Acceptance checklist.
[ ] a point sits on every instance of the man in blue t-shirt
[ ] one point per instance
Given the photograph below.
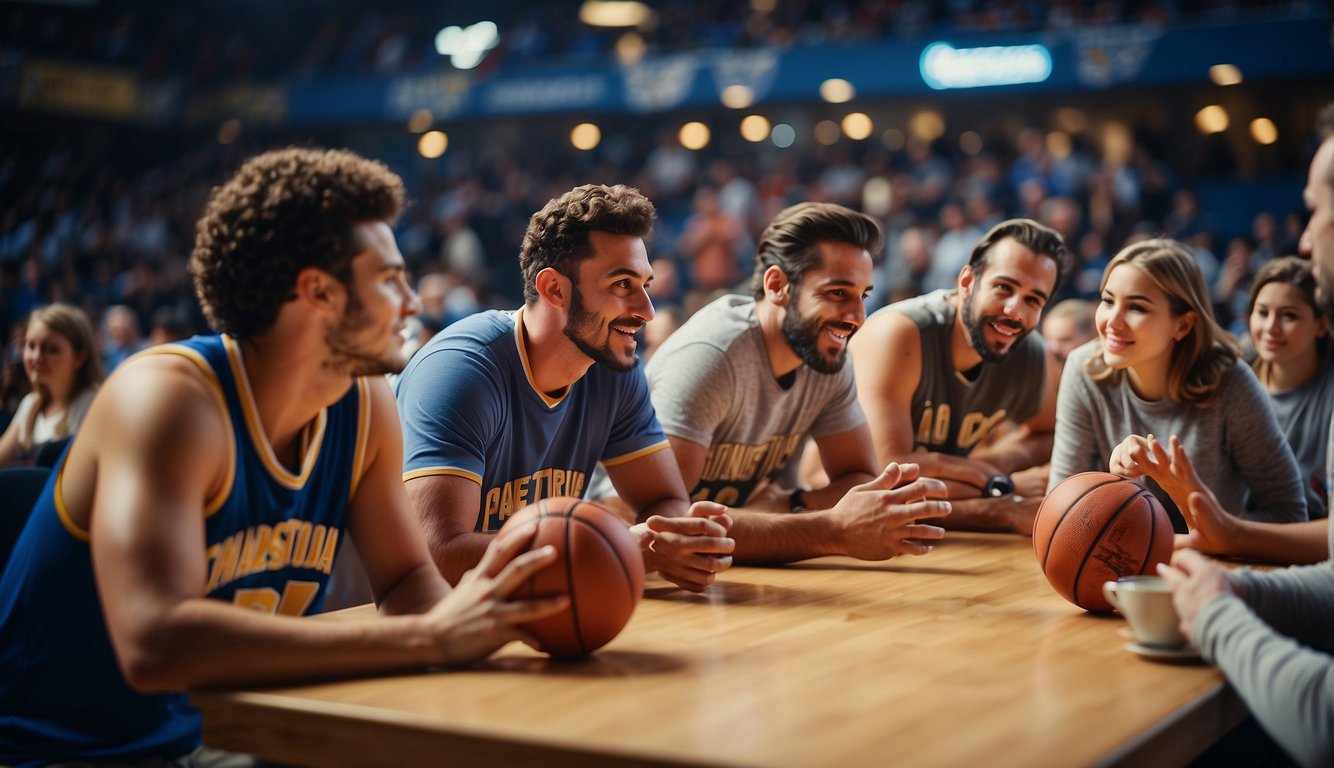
(505, 408)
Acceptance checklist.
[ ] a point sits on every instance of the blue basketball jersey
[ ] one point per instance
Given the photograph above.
(469, 408)
(271, 537)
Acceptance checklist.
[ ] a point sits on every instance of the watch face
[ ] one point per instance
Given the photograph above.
(797, 502)
(999, 485)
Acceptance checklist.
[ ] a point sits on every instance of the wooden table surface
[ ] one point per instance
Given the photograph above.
(964, 657)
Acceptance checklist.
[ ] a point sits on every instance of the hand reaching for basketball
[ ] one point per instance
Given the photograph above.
(688, 551)
(476, 617)
(1129, 457)
(878, 520)
(1169, 466)
(1212, 529)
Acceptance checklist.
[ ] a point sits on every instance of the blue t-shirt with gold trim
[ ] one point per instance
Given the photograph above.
(470, 409)
(270, 540)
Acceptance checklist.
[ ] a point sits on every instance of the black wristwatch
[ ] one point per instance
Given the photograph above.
(797, 501)
(998, 485)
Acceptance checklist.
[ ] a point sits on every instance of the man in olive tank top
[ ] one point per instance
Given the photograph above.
(938, 374)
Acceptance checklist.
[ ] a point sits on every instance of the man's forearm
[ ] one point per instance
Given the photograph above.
(460, 554)
(419, 590)
(1013, 453)
(1004, 514)
(770, 538)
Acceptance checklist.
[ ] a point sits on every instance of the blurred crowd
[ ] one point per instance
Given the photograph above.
(102, 217)
(209, 43)
(103, 229)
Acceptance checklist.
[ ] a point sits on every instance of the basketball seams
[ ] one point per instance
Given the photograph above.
(611, 547)
(1097, 540)
(568, 516)
(616, 555)
(1153, 534)
(1075, 503)
(584, 569)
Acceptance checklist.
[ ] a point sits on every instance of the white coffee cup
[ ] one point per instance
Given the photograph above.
(1146, 602)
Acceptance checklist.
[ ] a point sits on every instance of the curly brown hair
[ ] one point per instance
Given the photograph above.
(557, 235)
(282, 212)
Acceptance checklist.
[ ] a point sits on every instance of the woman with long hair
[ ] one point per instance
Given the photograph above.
(1161, 365)
(1292, 342)
(1292, 345)
(64, 369)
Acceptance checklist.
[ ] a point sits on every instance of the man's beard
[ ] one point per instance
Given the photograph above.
(347, 357)
(977, 338)
(803, 335)
(582, 323)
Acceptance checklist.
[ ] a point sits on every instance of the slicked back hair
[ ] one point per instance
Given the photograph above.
(1042, 240)
(791, 241)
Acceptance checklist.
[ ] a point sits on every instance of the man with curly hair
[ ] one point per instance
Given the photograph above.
(505, 408)
(200, 509)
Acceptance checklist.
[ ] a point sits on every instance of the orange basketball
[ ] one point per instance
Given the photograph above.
(1095, 527)
(598, 564)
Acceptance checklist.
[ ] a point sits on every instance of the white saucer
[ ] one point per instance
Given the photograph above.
(1163, 654)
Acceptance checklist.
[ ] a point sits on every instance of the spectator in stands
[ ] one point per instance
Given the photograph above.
(64, 369)
(1066, 326)
(1291, 338)
(121, 336)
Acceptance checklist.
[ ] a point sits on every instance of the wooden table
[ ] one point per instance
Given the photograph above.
(964, 657)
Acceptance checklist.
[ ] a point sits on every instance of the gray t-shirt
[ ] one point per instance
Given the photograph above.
(1235, 445)
(951, 413)
(711, 384)
(1303, 413)
(1274, 646)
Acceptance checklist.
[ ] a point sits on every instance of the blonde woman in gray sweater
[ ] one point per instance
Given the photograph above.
(1161, 365)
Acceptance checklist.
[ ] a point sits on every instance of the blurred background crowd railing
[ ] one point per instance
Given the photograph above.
(1120, 120)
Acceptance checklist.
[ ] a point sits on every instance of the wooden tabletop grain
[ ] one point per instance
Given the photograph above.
(964, 657)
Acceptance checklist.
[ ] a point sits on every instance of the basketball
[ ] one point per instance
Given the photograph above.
(1095, 527)
(598, 564)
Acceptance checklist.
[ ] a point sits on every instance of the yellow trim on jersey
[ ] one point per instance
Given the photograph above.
(63, 513)
(463, 473)
(551, 402)
(639, 454)
(363, 435)
(311, 438)
(212, 505)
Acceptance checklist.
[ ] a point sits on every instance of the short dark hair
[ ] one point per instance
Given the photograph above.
(281, 212)
(557, 235)
(791, 241)
(1037, 238)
